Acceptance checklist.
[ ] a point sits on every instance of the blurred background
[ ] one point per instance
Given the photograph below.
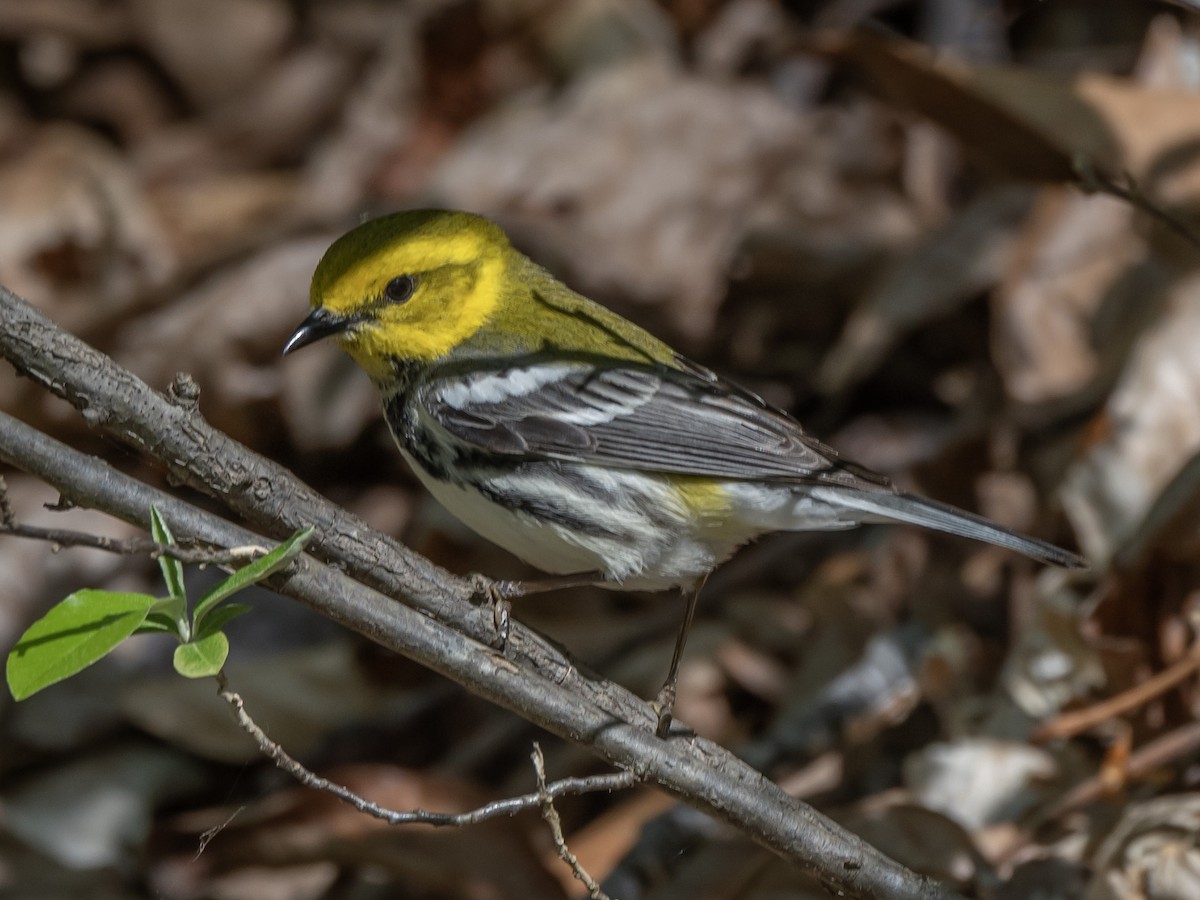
(876, 234)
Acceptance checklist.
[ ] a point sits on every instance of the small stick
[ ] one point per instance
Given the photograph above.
(550, 814)
(509, 806)
(1072, 723)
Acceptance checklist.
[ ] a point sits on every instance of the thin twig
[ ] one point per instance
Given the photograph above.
(134, 546)
(1073, 723)
(509, 806)
(206, 837)
(550, 815)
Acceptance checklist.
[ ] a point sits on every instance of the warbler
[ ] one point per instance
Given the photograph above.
(570, 436)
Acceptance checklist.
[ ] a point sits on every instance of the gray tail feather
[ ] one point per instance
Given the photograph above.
(943, 517)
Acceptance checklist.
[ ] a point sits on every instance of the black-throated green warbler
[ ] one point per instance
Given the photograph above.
(570, 436)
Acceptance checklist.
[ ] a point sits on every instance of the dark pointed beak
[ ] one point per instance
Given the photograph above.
(318, 324)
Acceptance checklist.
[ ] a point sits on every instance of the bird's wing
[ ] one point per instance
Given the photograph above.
(656, 418)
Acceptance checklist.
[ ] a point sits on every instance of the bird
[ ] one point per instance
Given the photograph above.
(572, 437)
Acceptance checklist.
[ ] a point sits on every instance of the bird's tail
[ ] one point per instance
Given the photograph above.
(888, 507)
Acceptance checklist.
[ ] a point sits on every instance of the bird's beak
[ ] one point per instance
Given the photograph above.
(318, 324)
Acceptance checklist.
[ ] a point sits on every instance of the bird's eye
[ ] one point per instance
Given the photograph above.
(400, 289)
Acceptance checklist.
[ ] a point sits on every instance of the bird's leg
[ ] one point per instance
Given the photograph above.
(665, 701)
(500, 594)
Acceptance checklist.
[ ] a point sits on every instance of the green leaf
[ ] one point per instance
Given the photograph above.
(172, 569)
(218, 618)
(159, 623)
(70, 637)
(199, 659)
(256, 571)
(173, 610)
(153, 627)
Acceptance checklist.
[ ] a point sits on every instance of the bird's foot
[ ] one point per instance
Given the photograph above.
(664, 708)
(498, 595)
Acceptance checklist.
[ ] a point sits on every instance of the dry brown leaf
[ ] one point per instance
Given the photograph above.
(178, 878)
(87, 24)
(215, 48)
(922, 839)
(979, 781)
(380, 112)
(1070, 263)
(592, 34)
(1158, 133)
(271, 121)
(123, 95)
(1155, 430)
(227, 333)
(602, 168)
(1167, 56)
(739, 32)
(752, 670)
(282, 111)
(1152, 853)
(1000, 114)
(75, 230)
(1033, 125)
(92, 812)
(207, 217)
(949, 267)
(1051, 663)
(1171, 527)
(729, 868)
(1058, 875)
(1024, 123)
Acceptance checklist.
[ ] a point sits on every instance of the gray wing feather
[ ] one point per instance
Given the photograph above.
(658, 419)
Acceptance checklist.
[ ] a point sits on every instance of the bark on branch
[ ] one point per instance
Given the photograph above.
(436, 623)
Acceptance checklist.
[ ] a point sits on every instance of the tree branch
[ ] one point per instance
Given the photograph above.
(437, 625)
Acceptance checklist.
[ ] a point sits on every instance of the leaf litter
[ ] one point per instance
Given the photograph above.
(892, 242)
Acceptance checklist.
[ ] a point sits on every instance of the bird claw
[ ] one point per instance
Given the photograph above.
(663, 707)
(501, 620)
(496, 594)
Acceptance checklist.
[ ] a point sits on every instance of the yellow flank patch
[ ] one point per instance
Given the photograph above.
(704, 498)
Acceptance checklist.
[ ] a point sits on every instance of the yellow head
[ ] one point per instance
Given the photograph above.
(409, 286)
